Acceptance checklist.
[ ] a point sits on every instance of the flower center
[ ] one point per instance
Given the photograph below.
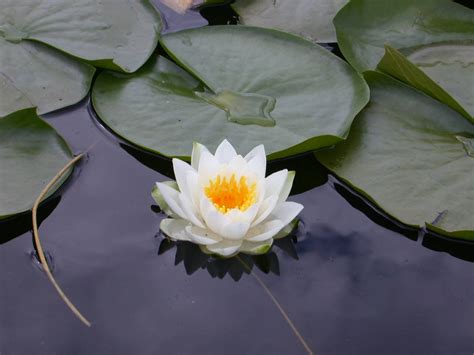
(227, 194)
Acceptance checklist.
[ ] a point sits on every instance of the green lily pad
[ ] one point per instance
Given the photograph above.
(364, 26)
(32, 74)
(256, 86)
(12, 98)
(118, 34)
(411, 155)
(311, 19)
(31, 154)
(434, 68)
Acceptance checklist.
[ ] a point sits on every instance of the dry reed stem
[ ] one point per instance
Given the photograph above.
(39, 248)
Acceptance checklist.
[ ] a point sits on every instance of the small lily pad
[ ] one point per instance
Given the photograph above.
(311, 19)
(31, 154)
(118, 34)
(445, 72)
(364, 26)
(249, 85)
(411, 155)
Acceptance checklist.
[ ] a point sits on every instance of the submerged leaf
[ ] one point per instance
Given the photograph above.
(256, 86)
(412, 156)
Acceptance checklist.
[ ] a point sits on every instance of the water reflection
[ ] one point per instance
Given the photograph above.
(155, 162)
(194, 259)
(458, 248)
(173, 21)
(17, 225)
(371, 211)
(220, 15)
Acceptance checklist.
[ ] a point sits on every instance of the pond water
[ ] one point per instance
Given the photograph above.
(351, 280)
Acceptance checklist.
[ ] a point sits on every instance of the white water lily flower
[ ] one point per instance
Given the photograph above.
(224, 202)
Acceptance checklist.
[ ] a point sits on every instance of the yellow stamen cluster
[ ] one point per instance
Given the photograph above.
(227, 194)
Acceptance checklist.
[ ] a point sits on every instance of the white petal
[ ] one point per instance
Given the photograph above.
(181, 170)
(266, 207)
(244, 216)
(225, 247)
(238, 164)
(290, 227)
(285, 191)
(257, 161)
(192, 180)
(264, 231)
(202, 236)
(214, 220)
(275, 182)
(196, 154)
(208, 165)
(235, 230)
(225, 152)
(171, 197)
(175, 228)
(286, 211)
(188, 208)
(256, 248)
(158, 197)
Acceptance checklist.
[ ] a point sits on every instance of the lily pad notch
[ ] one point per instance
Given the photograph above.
(247, 84)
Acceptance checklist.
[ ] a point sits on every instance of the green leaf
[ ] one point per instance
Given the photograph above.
(12, 98)
(115, 34)
(256, 86)
(451, 66)
(364, 26)
(31, 154)
(412, 156)
(32, 74)
(311, 19)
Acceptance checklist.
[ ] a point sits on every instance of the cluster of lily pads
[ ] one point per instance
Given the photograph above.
(394, 120)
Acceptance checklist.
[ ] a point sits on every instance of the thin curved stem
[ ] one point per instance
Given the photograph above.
(39, 248)
(280, 308)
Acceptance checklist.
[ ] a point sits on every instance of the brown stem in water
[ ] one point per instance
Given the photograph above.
(280, 308)
(39, 248)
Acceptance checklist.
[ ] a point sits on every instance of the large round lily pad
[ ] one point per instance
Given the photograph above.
(311, 19)
(35, 74)
(255, 86)
(31, 153)
(364, 26)
(411, 155)
(445, 72)
(116, 34)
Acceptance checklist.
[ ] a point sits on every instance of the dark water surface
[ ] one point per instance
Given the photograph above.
(361, 284)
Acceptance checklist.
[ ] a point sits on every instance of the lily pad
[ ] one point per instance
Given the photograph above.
(311, 19)
(434, 68)
(33, 74)
(31, 154)
(364, 26)
(12, 98)
(411, 155)
(115, 34)
(255, 86)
